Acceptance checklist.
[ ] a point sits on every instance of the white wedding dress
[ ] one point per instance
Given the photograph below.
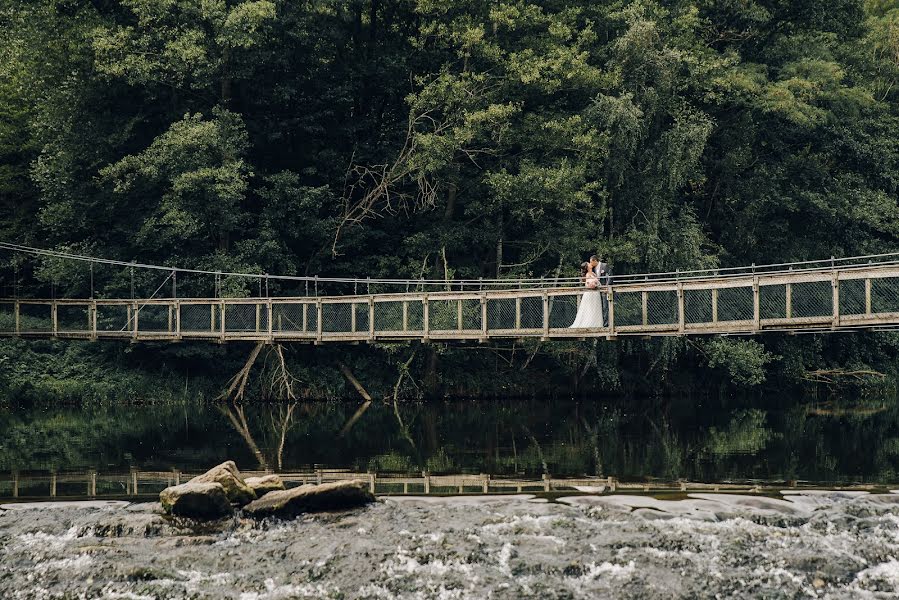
(589, 313)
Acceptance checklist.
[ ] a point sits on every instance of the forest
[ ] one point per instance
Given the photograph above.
(465, 139)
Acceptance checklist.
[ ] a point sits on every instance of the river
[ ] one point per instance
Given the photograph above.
(825, 525)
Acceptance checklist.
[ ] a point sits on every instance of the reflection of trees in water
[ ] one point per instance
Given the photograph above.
(562, 438)
(277, 428)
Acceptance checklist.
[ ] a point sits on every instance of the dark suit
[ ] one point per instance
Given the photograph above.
(602, 272)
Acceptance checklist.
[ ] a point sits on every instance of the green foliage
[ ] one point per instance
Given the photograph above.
(477, 138)
(745, 360)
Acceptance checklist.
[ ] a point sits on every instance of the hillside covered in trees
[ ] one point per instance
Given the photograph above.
(473, 138)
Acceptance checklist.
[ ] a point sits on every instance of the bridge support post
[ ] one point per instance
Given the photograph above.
(405, 315)
(545, 314)
(756, 305)
(371, 318)
(788, 301)
(835, 284)
(318, 320)
(518, 313)
(352, 317)
(459, 316)
(867, 296)
(715, 305)
(426, 326)
(611, 303)
(222, 321)
(177, 320)
(92, 483)
(135, 312)
(54, 315)
(484, 317)
(93, 320)
(644, 298)
(680, 309)
(53, 483)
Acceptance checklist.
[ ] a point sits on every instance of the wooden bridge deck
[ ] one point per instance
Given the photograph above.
(853, 297)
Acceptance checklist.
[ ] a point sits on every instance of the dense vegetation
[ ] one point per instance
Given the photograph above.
(447, 139)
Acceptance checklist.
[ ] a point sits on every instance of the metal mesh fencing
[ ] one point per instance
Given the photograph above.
(885, 295)
(294, 318)
(200, 318)
(36, 318)
(337, 317)
(154, 318)
(661, 308)
(852, 297)
(697, 306)
(628, 309)
(112, 318)
(531, 312)
(443, 315)
(500, 314)
(562, 310)
(73, 318)
(812, 299)
(454, 315)
(735, 304)
(361, 311)
(772, 301)
(389, 316)
(416, 315)
(246, 318)
(7, 317)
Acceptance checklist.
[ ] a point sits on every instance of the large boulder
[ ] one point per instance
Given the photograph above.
(197, 500)
(310, 498)
(263, 485)
(229, 477)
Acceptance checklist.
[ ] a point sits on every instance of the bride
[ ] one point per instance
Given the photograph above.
(589, 313)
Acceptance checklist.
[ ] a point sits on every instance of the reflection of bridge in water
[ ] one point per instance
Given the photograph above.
(137, 483)
(833, 295)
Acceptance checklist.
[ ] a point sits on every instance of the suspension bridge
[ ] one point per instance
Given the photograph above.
(832, 295)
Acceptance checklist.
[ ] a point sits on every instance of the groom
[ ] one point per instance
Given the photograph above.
(602, 273)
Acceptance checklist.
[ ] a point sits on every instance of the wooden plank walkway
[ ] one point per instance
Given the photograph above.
(845, 298)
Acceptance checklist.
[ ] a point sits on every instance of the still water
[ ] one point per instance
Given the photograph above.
(797, 543)
(768, 440)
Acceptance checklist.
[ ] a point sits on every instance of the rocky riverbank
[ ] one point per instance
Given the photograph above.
(222, 489)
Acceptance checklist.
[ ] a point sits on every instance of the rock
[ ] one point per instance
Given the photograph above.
(198, 500)
(310, 498)
(229, 477)
(264, 485)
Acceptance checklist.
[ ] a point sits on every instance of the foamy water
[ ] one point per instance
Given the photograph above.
(816, 544)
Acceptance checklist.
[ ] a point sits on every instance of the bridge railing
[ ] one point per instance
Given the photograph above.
(839, 298)
(832, 294)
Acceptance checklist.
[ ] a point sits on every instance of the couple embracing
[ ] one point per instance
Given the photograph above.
(593, 307)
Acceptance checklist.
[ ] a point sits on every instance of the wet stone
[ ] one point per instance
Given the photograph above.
(264, 485)
(196, 500)
(227, 475)
(338, 495)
